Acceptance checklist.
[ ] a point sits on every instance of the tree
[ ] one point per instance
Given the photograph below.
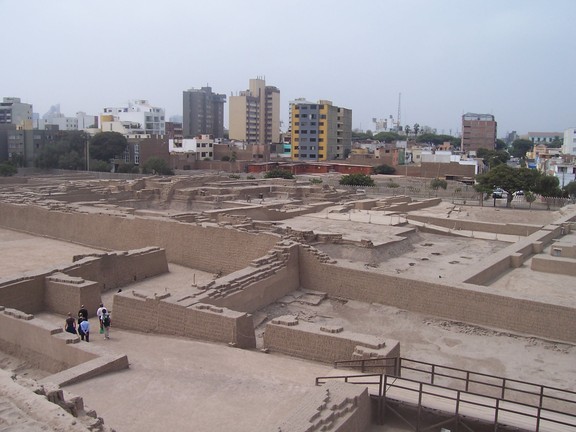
(357, 180)
(530, 197)
(156, 165)
(507, 178)
(520, 147)
(279, 173)
(416, 128)
(570, 189)
(387, 137)
(384, 169)
(107, 145)
(67, 151)
(407, 130)
(430, 138)
(500, 145)
(438, 183)
(493, 158)
(556, 143)
(7, 169)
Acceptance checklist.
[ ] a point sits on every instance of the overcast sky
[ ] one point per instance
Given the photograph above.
(515, 59)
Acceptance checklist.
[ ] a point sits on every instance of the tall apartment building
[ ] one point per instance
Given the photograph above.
(255, 114)
(320, 131)
(478, 131)
(569, 145)
(13, 111)
(149, 118)
(203, 113)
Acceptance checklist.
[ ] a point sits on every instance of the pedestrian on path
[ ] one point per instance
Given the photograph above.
(85, 326)
(106, 322)
(80, 331)
(99, 315)
(70, 325)
(83, 311)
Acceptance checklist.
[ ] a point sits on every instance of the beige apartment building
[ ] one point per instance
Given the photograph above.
(255, 114)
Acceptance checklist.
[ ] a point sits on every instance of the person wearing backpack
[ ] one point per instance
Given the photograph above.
(106, 321)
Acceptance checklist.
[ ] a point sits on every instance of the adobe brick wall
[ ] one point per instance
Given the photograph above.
(557, 265)
(24, 294)
(43, 345)
(473, 305)
(63, 294)
(311, 341)
(334, 407)
(194, 320)
(264, 291)
(459, 224)
(208, 249)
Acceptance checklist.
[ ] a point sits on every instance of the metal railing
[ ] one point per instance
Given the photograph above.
(502, 395)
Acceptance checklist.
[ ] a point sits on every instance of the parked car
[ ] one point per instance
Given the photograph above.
(518, 193)
(499, 193)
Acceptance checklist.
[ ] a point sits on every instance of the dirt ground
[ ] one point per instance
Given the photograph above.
(181, 384)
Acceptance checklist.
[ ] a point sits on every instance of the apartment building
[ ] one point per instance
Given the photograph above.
(15, 112)
(569, 145)
(203, 113)
(150, 119)
(320, 130)
(255, 114)
(478, 131)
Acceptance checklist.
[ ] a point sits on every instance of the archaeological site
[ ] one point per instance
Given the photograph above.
(252, 304)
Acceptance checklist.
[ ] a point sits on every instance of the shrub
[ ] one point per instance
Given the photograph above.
(357, 180)
(100, 166)
(250, 177)
(384, 169)
(438, 183)
(279, 173)
(7, 169)
(315, 180)
(155, 165)
(392, 184)
(234, 176)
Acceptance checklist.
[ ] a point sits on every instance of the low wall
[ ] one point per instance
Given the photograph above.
(265, 291)
(191, 319)
(556, 265)
(324, 343)
(476, 306)
(43, 345)
(65, 289)
(209, 249)
(491, 227)
(334, 407)
(25, 294)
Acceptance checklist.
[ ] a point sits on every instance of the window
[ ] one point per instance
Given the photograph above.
(304, 115)
(322, 116)
(312, 139)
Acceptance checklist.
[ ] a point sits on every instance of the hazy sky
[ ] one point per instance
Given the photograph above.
(515, 59)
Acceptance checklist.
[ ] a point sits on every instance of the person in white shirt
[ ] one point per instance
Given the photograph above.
(99, 315)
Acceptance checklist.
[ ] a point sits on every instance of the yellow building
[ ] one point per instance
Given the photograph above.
(320, 131)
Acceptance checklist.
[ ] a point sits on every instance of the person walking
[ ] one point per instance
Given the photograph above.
(70, 325)
(85, 326)
(106, 322)
(80, 331)
(99, 315)
(83, 311)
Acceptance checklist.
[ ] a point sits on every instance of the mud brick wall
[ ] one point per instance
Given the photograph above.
(208, 249)
(64, 294)
(459, 224)
(45, 346)
(118, 269)
(334, 407)
(263, 292)
(25, 294)
(314, 342)
(472, 304)
(198, 321)
(557, 265)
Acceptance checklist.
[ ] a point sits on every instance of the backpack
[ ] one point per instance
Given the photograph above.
(106, 320)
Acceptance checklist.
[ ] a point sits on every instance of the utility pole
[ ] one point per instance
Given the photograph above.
(398, 118)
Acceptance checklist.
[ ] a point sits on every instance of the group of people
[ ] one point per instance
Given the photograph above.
(81, 326)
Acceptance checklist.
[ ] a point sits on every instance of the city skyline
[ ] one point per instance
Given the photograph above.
(509, 59)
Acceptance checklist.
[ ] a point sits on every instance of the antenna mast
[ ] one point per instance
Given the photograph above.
(398, 124)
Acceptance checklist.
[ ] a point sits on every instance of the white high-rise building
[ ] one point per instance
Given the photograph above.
(151, 119)
(569, 146)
